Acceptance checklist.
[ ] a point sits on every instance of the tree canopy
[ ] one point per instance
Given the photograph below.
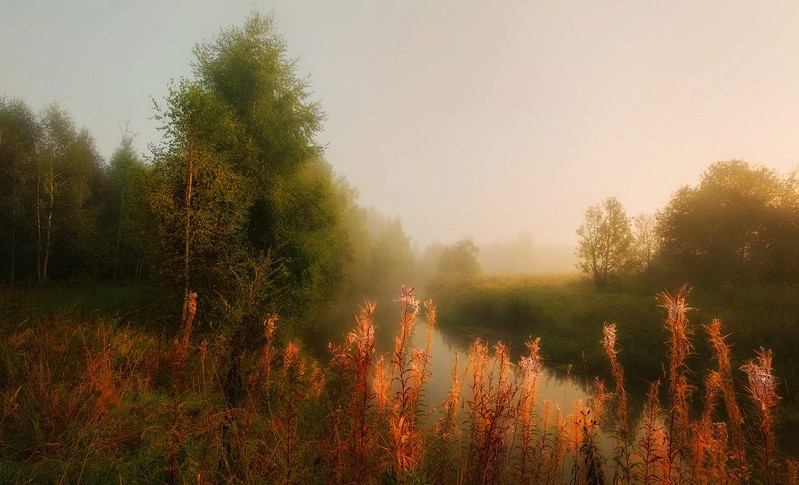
(53, 181)
(739, 225)
(236, 194)
(605, 245)
(459, 259)
(239, 173)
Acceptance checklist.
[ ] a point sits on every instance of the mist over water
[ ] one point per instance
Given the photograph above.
(206, 210)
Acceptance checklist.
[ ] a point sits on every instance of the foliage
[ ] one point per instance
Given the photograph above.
(19, 132)
(128, 408)
(646, 243)
(237, 175)
(459, 260)
(127, 213)
(605, 244)
(738, 226)
(245, 126)
(565, 311)
(198, 201)
(391, 261)
(62, 214)
(55, 180)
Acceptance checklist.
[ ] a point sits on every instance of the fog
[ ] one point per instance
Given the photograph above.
(522, 255)
(466, 119)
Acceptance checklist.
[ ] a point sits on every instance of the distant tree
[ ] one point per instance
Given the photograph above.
(51, 179)
(391, 260)
(646, 242)
(739, 225)
(79, 247)
(127, 212)
(427, 261)
(605, 245)
(459, 259)
(517, 255)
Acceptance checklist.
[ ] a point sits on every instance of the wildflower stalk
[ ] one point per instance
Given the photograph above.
(679, 348)
(529, 369)
(622, 454)
(763, 391)
(721, 353)
(402, 420)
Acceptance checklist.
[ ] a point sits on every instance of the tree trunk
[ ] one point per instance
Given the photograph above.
(38, 229)
(49, 227)
(13, 254)
(187, 231)
(119, 236)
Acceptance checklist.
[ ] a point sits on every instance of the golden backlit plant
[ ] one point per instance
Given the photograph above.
(363, 418)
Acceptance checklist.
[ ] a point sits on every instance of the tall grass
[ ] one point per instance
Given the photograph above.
(84, 401)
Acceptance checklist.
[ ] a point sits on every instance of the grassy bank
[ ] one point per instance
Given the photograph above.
(567, 312)
(90, 398)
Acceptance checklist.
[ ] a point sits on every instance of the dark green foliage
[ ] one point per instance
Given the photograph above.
(245, 126)
(247, 69)
(54, 182)
(738, 226)
(19, 131)
(198, 201)
(127, 214)
(66, 215)
(237, 175)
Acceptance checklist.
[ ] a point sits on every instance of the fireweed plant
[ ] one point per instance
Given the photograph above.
(97, 403)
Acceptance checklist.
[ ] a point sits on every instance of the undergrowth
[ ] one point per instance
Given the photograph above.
(101, 402)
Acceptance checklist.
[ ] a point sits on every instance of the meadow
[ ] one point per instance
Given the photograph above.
(567, 312)
(92, 397)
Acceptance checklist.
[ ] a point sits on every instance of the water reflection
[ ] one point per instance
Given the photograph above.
(562, 386)
(562, 392)
(558, 388)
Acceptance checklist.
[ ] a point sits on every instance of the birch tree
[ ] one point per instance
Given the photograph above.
(605, 244)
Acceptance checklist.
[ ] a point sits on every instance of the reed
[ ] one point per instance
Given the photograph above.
(530, 370)
(724, 381)
(110, 415)
(443, 458)
(652, 444)
(679, 347)
(404, 436)
(762, 390)
(183, 342)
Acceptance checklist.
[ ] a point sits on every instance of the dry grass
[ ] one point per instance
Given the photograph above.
(96, 404)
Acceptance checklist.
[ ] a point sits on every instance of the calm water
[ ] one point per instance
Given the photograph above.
(557, 387)
(561, 392)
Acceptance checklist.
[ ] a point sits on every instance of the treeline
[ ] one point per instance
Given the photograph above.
(235, 202)
(521, 255)
(739, 226)
(56, 209)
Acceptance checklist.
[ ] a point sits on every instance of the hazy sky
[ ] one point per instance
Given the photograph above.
(464, 118)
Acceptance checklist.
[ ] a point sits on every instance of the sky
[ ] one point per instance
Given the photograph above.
(480, 119)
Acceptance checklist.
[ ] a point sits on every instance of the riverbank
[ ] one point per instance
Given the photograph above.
(100, 399)
(567, 313)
